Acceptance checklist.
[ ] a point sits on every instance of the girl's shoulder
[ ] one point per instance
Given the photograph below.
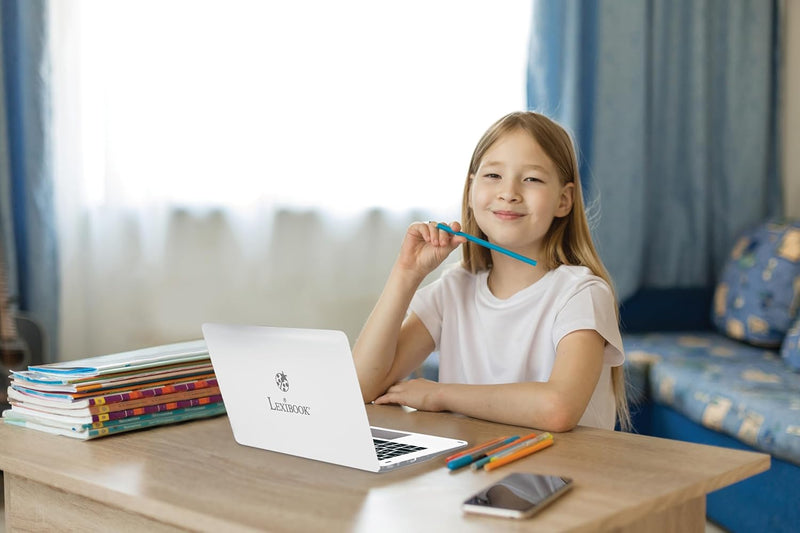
(574, 272)
(577, 277)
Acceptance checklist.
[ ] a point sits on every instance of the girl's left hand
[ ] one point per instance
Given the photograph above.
(420, 394)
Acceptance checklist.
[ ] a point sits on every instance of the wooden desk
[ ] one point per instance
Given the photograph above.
(194, 476)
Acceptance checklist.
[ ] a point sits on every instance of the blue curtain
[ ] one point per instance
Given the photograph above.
(27, 214)
(673, 106)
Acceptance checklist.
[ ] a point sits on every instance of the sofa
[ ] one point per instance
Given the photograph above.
(721, 366)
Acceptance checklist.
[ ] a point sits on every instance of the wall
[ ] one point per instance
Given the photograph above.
(791, 108)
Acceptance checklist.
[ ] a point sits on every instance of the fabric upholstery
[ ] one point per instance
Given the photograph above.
(727, 386)
(790, 349)
(757, 297)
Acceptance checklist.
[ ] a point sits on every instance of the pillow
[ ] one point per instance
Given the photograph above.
(790, 349)
(758, 294)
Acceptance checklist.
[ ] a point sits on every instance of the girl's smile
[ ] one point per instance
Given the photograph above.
(507, 215)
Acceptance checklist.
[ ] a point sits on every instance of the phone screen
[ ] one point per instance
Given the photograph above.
(518, 495)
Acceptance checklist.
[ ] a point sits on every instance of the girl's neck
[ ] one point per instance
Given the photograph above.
(508, 276)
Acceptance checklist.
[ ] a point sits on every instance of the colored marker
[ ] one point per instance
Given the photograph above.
(474, 449)
(514, 449)
(486, 244)
(464, 460)
(528, 450)
(505, 449)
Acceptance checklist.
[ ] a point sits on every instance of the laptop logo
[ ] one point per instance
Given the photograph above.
(282, 381)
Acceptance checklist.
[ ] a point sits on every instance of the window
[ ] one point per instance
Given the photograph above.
(346, 105)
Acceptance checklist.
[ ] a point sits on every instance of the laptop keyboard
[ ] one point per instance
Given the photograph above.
(387, 449)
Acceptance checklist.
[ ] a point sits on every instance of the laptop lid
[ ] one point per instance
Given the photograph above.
(295, 391)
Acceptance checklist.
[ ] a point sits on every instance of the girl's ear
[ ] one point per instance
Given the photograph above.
(469, 191)
(566, 199)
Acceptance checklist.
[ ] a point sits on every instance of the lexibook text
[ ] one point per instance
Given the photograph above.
(289, 407)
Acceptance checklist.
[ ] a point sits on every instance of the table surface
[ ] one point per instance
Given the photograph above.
(195, 475)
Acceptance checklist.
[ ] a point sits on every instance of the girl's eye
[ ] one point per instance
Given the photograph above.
(493, 176)
(531, 178)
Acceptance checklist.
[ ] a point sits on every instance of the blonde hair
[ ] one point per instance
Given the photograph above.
(569, 240)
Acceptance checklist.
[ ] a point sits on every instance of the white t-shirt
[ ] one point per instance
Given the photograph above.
(483, 339)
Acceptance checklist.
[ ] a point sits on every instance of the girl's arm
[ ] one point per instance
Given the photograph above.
(554, 405)
(389, 348)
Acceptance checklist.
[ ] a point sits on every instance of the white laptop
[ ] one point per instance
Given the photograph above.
(295, 391)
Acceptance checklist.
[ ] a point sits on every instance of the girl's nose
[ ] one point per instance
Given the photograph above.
(509, 193)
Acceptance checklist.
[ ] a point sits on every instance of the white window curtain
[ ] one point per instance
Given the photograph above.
(258, 162)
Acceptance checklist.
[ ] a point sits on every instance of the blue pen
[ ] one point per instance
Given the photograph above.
(487, 244)
(464, 460)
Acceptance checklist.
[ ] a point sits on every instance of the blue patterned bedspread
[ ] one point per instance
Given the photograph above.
(746, 392)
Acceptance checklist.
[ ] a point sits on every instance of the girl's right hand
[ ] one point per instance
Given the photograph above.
(425, 247)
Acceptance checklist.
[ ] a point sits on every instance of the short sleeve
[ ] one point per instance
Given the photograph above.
(592, 307)
(427, 304)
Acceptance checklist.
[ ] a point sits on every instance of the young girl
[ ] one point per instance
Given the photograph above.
(530, 346)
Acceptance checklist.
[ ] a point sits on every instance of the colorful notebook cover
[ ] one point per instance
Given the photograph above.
(17, 415)
(17, 399)
(115, 415)
(87, 434)
(68, 401)
(135, 359)
(110, 394)
(20, 379)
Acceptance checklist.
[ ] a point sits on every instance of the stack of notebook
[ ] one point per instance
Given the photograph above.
(100, 396)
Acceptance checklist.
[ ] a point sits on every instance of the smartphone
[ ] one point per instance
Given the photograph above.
(518, 495)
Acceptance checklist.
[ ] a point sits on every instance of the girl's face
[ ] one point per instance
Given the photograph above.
(516, 193)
